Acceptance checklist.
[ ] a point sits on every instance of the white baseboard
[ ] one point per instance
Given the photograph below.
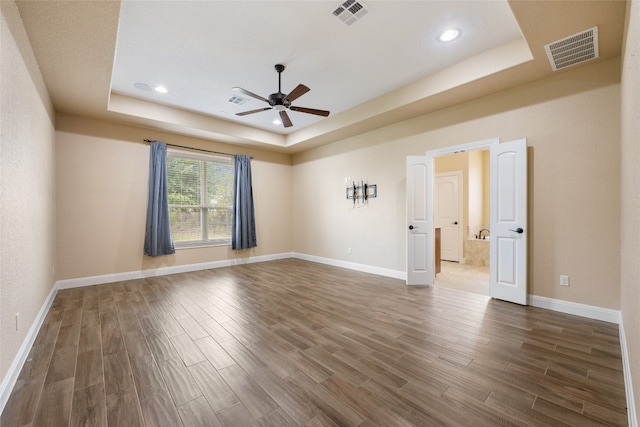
(628, 385)
(9, 381)
(163, 271)
(387, 272)
(590, 311)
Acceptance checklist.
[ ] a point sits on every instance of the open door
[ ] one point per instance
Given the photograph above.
(508, 245)
(420, 250)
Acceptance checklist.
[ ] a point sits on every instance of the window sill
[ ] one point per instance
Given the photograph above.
(199, 245)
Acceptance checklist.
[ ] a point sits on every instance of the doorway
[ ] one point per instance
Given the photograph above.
(508, 218)
(466, 175)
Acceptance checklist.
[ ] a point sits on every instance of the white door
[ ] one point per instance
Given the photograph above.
(508, 245)
(420, 260)
(446, 215)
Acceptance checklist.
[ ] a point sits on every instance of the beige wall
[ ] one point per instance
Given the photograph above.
(630, 194)
(27, 222)
(475, 190)
(571, 122)
(102, 175)
(486, 187)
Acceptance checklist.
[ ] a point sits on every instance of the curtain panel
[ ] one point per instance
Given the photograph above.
(243, 233)
(157, 240)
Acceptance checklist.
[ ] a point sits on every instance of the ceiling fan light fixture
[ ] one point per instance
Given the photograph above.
(449, 35)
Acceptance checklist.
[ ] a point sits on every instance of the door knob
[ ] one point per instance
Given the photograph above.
(455, 223)
(411, 227)
(517, 230)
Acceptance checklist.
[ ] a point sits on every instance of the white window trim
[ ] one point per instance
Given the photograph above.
(193, 244)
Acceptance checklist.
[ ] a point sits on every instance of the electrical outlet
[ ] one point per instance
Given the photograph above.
(564, 280)
(349, 250)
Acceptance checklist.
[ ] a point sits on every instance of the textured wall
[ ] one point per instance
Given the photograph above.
(630, 224)
(102, 177)
(27, 222)
(571, 122)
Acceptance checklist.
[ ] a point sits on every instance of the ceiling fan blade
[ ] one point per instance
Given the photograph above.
(286, 121)
(244, 113)
(323, 113)
(296, 93)
(251, 94)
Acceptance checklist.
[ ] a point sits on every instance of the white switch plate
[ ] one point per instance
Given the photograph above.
(564, 280)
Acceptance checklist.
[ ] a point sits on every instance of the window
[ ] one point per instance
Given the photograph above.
(200, 198)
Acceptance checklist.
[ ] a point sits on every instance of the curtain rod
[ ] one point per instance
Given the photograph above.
(192, 148)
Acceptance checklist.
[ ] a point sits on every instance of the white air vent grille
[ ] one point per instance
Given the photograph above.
(238, 100)
(350, 11)
(573, 50)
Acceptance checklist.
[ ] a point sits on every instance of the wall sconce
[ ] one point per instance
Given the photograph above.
(360, 191)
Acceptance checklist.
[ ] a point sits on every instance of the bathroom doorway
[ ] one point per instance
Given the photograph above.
(470, 272)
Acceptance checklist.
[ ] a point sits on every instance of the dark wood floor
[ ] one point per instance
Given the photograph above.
(290, 343)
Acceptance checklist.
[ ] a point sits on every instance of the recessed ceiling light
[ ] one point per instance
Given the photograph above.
(160, 89)
(142, 86)
(449, 35)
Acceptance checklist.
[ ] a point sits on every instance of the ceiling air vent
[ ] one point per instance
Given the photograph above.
(238, 100)
(350, 11)
(573, 50)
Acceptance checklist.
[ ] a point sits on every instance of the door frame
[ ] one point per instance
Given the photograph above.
(445, 151)
(461, 222)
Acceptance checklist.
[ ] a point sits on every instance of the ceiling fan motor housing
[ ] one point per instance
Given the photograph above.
(277, 99)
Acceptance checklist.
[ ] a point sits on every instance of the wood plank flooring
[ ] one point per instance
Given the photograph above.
(294, 343)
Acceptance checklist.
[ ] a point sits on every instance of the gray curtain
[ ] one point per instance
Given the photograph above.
(243, 234)
(157, 239)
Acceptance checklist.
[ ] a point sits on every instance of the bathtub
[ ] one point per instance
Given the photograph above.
(477, 252)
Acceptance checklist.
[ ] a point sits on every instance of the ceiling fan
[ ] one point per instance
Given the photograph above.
(281, 102)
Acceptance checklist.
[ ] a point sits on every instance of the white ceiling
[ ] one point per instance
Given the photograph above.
(200, 50)
(385, 68)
